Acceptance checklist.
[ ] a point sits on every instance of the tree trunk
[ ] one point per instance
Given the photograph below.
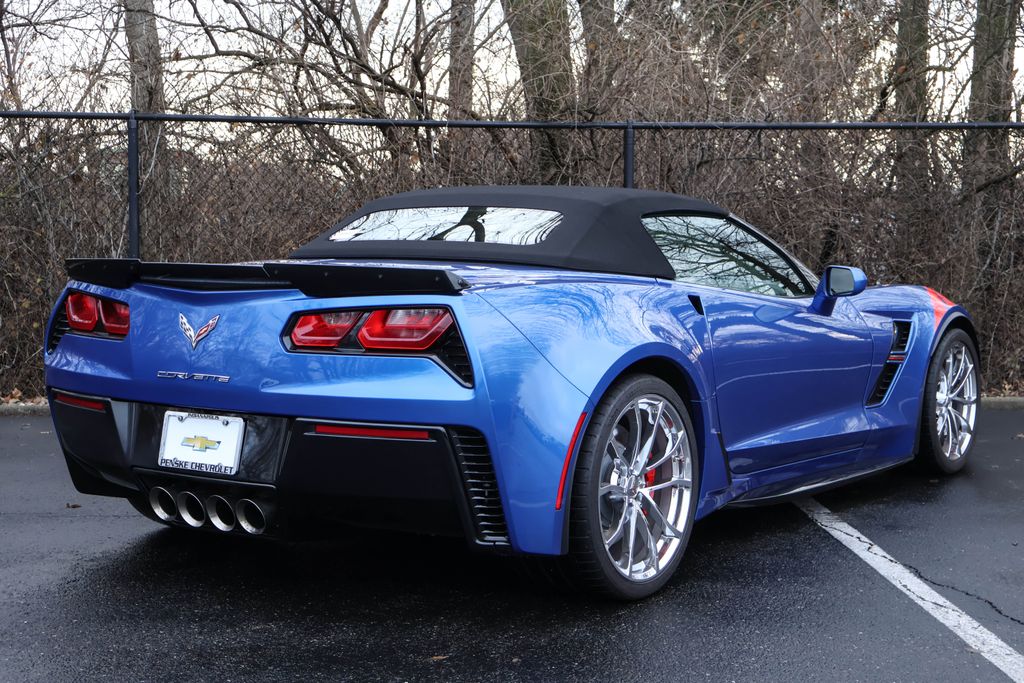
(814, 158)
(600, 37)
(460, 85)
(541, 36)
(460, 70)
(986, 152)
(147, 95)
(911, 167)
(145, 66)
(911, 83)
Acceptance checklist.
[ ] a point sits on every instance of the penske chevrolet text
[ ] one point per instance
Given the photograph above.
(572, 374)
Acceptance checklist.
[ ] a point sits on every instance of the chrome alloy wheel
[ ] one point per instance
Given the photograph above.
(645, 487)
(956, 401)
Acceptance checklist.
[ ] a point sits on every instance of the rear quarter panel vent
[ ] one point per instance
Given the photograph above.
(481, 486)
(58, 328)
(451, 351)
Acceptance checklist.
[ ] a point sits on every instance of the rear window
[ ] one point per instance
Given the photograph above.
(495, 225)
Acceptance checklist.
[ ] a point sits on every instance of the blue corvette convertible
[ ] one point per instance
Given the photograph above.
(579, 373)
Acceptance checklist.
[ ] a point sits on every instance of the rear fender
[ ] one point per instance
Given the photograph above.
(594, 333)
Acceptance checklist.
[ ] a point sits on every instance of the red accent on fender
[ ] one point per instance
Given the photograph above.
(568, 459)
(374, 432)
(940, 305)
(897, 358)
(99, 406)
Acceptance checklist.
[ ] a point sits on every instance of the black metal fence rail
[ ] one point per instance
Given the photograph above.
(628, 129)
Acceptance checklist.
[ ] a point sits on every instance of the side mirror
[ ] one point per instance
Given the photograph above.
(836, 282)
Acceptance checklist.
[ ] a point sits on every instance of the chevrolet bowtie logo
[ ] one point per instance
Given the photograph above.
(200, 443)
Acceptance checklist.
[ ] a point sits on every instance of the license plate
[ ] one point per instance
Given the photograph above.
(198, 442)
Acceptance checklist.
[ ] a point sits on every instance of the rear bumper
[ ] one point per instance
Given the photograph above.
(441, 483)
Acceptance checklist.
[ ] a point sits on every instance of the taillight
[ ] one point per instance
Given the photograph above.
(88, 313)
(115, 317)
(410, 329)
(319, 330)
(82, 310)
(430, 332)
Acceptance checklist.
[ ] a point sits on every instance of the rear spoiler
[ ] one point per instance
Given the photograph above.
(312, 279)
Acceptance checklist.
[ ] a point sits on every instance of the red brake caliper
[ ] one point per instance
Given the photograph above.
(649, 480)
(650, 476)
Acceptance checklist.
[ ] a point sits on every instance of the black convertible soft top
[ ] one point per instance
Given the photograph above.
(600, 229)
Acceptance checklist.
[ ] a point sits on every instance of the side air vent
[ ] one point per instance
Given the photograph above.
(900, 336)
(481, 486)
(58, 329)
(452, 353)
(884, 382)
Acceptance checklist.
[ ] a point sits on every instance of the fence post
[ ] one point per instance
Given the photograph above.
(134, 243)
(628, 140)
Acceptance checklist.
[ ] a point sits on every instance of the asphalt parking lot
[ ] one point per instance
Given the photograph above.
(91, 590)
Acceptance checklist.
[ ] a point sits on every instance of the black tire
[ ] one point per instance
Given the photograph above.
(588, 565)
(931, 455)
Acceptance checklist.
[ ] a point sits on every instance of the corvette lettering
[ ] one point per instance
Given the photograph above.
(198, 376)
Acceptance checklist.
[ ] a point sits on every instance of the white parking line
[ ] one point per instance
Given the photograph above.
(986, 643)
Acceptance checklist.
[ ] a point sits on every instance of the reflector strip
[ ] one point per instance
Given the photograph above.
(568, 459)
(373, 432)
(88, 404)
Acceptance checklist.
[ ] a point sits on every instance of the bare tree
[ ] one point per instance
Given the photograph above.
(911, 65)
(540, 33)
(601, 41)
(995, 31)
(462, 49)
(145, 69)
(910, 83)
(145, 65)
(461, 53)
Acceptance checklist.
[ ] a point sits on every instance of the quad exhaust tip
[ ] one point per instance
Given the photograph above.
(220, 513)
(251, 516)
(163, 504)
(191, 509)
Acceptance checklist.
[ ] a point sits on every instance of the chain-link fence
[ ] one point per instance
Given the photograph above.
(934, 204)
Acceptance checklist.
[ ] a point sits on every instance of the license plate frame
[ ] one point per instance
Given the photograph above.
(201, 443)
